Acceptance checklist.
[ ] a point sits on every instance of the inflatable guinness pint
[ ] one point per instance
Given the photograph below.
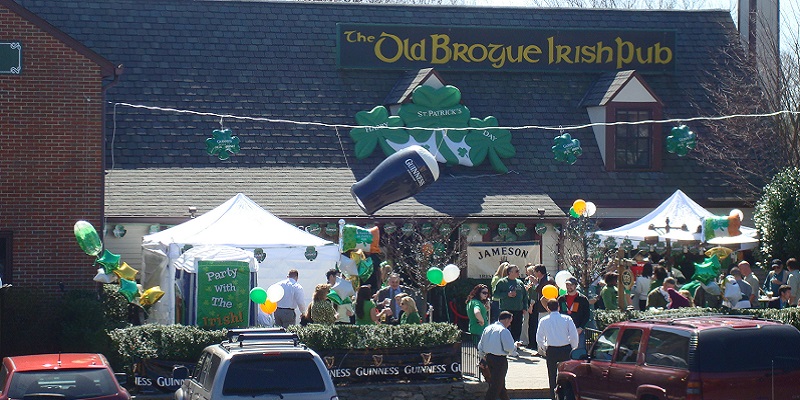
(401, 175)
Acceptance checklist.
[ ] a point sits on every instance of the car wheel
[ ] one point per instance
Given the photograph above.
(565, 392)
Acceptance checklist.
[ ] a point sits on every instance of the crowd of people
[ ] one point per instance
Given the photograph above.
(556, 326)
(393, 303)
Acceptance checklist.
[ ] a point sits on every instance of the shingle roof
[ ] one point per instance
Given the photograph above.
(277, 60)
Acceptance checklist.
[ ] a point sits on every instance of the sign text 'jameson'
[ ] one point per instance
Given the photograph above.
(364, 46)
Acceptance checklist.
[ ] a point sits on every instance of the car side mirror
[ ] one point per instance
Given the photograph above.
(180, 372)
(122, 378)
(579, 354)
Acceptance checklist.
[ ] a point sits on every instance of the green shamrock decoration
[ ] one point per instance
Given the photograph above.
(681, 141)
(483, 229)
(426, 228)
(390, 228)
(408, 228)
(627, 245)
(259, 254)
(610, 243)
(643, 246)
(661, 247)
(311, 253)
(494, 143)
(445, 230)
(314, 229)
(366, 138)
(331, 229)
(520, 229)
(438, 110)
(541, 229)
(464, 229)
(222, 144)
(566, 149)
(502, 229)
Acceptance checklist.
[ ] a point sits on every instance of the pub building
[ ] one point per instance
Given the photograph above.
(108, 107)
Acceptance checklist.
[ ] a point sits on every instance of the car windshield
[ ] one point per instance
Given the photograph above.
(272, 374)
(72, 384)
(758, 349)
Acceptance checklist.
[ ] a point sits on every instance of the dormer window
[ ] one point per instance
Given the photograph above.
(625, 97)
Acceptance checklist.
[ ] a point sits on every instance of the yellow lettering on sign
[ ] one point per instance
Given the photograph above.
(439, 44)
(379, 46)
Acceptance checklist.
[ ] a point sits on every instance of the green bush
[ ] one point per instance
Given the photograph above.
(166, 342)
(186, 343)
(789, 316)
(777, 216)
(323, 337)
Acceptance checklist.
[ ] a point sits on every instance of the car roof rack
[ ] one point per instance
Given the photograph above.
(233, 333)
(686, 320)
(243, 338)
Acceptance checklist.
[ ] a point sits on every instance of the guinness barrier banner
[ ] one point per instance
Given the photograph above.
(375, 46)
(155, 376)
(484, 258)
(378, 365)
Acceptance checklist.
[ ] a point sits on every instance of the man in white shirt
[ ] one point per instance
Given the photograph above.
(556, 337)
(794, 278)
(496, 344)
(292, 299)
(751, 278)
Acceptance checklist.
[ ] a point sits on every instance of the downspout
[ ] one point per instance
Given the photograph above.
(118, 70)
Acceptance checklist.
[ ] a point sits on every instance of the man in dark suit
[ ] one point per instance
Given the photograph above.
(783, 299)
(391, 292)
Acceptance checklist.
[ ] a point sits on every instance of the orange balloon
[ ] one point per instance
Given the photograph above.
(268, 307)
(579, 206)
(444, 283)
(550, 292)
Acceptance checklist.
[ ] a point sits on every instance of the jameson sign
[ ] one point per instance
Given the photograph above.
(484, 258)
(373, 46)
(223, 294)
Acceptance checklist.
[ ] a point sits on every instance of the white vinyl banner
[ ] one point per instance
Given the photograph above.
(484, 258)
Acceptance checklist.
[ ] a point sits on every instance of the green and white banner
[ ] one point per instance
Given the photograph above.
(223, 294)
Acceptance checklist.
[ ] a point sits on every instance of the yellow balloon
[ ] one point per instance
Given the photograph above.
(268, 307)
(550, 292)
(579, 206)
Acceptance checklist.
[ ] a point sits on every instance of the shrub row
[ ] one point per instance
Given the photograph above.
(789, 316)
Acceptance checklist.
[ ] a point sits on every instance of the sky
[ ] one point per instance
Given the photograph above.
(790, 13)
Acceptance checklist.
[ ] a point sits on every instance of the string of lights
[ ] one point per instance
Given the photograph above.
(524, 127)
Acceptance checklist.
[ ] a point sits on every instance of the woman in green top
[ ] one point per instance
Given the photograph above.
(366, 311)
(322, 311)
(609, 293)
(476, 310)
(410, 313)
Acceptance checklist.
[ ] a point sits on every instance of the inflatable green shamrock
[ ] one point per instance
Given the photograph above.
(566, 149)
(222, 144)
(681, 141)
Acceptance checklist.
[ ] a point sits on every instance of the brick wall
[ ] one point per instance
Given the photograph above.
(51, 170)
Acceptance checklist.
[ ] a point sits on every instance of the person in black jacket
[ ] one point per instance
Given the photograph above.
(576, 305)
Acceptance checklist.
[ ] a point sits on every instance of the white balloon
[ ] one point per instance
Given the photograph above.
(347, 265)
(451, 272)
(561, 279)
(275, 293)
(590, 209)
(736, 213)
(102, 277)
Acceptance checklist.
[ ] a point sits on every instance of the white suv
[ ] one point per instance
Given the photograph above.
(257, 364)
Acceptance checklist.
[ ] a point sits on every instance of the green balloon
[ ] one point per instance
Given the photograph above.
(87, 238)
(258, 295)
(435, 275)
(573, 213)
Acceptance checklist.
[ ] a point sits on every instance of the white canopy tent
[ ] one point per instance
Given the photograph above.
(685, 218)
(240, 223)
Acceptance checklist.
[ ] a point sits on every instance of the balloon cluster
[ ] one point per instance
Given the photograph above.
(581, 207)
(442, 277)
(267, 300)
(111, 270)
(553, 291)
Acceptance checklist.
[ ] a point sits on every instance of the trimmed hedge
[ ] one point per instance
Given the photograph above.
(789, 316)
(186, 343)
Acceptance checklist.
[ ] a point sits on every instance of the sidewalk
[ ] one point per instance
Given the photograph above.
(527, 376)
